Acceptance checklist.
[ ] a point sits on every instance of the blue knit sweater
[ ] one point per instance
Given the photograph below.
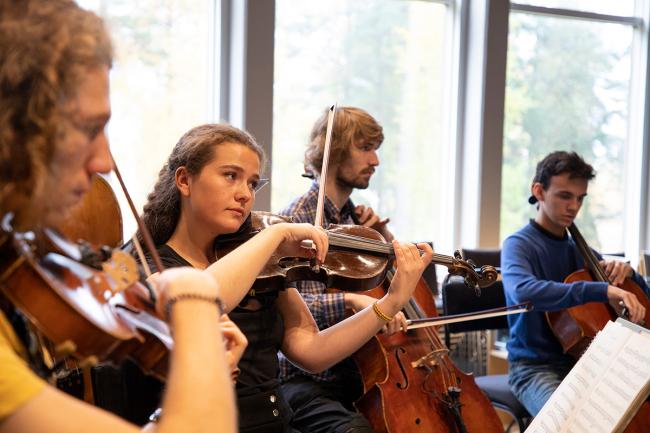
(534, 263)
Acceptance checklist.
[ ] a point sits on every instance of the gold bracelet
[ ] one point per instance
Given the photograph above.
(195, 296)
(379, 313)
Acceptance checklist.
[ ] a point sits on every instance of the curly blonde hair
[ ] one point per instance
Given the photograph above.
(351, 125)
(194, 150)
(46, 47)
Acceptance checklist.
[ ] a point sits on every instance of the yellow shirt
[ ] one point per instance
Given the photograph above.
(18, 383)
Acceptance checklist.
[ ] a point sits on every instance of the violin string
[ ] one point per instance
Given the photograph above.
(351, 241)
(381, 246)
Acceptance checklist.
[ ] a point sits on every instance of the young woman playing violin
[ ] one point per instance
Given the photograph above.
(54, 63)
(207, 189)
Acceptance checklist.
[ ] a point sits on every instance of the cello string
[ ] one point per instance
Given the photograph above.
(587, 253)
(413, 310)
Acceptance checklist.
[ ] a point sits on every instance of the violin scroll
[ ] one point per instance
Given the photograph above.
(474, 276)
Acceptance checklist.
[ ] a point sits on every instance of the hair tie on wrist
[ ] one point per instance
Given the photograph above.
(192, 296)
(379, 313)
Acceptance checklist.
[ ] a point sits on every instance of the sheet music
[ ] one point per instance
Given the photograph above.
(598, 391)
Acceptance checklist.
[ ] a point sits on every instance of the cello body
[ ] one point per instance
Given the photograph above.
(405, 385)
(576, 327)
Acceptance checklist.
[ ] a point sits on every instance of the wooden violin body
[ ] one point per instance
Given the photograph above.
(358, 259)
(87, 313)
(411, 384)
(342, 268)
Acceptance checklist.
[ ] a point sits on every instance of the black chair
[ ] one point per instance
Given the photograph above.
(457, 298)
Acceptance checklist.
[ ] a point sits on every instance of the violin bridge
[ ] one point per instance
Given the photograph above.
(66, 348)
(430, 360)
(122, 268)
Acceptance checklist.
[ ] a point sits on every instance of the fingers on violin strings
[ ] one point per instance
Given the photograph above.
(412, 251)
(322, 244)
(399, 253)
(427, 255)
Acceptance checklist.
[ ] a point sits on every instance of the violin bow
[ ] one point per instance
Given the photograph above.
(323, 173)
(148, 240)
(318, 222)
(466, 317)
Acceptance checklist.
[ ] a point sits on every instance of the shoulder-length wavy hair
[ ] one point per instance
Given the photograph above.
(351, 125)
(194, 150)
(46, 46)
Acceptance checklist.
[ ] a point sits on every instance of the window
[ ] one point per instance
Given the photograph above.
(387, 57)
(619, 7)
(568, 88)
(160, 83)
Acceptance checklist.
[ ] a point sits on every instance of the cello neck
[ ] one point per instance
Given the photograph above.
(591, 261)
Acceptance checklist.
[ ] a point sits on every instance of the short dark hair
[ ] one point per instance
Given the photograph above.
(561, 162)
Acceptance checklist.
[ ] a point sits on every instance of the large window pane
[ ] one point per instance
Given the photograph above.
(159, 82)
(383, 56)
(610, 7)
(568, 89)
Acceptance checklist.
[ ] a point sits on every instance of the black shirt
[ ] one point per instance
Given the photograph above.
(261, 408)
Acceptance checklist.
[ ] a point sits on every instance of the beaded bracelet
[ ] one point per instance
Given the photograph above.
(379, 313)
(195, 296)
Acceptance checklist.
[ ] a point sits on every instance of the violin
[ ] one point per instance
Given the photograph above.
(358, 259)
(87, 301)
(83, 311)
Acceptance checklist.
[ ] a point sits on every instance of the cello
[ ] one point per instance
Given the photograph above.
(576, 327)
(415, 367)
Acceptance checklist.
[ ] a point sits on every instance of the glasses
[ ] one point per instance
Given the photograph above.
(261, 184)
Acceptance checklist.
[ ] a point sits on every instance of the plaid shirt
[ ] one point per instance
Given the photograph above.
(327, 308)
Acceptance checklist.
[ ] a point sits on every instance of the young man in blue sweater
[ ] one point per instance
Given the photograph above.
(535, 261)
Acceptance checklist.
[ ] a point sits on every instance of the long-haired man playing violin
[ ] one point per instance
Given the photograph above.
(323, 403)
(535, 261)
